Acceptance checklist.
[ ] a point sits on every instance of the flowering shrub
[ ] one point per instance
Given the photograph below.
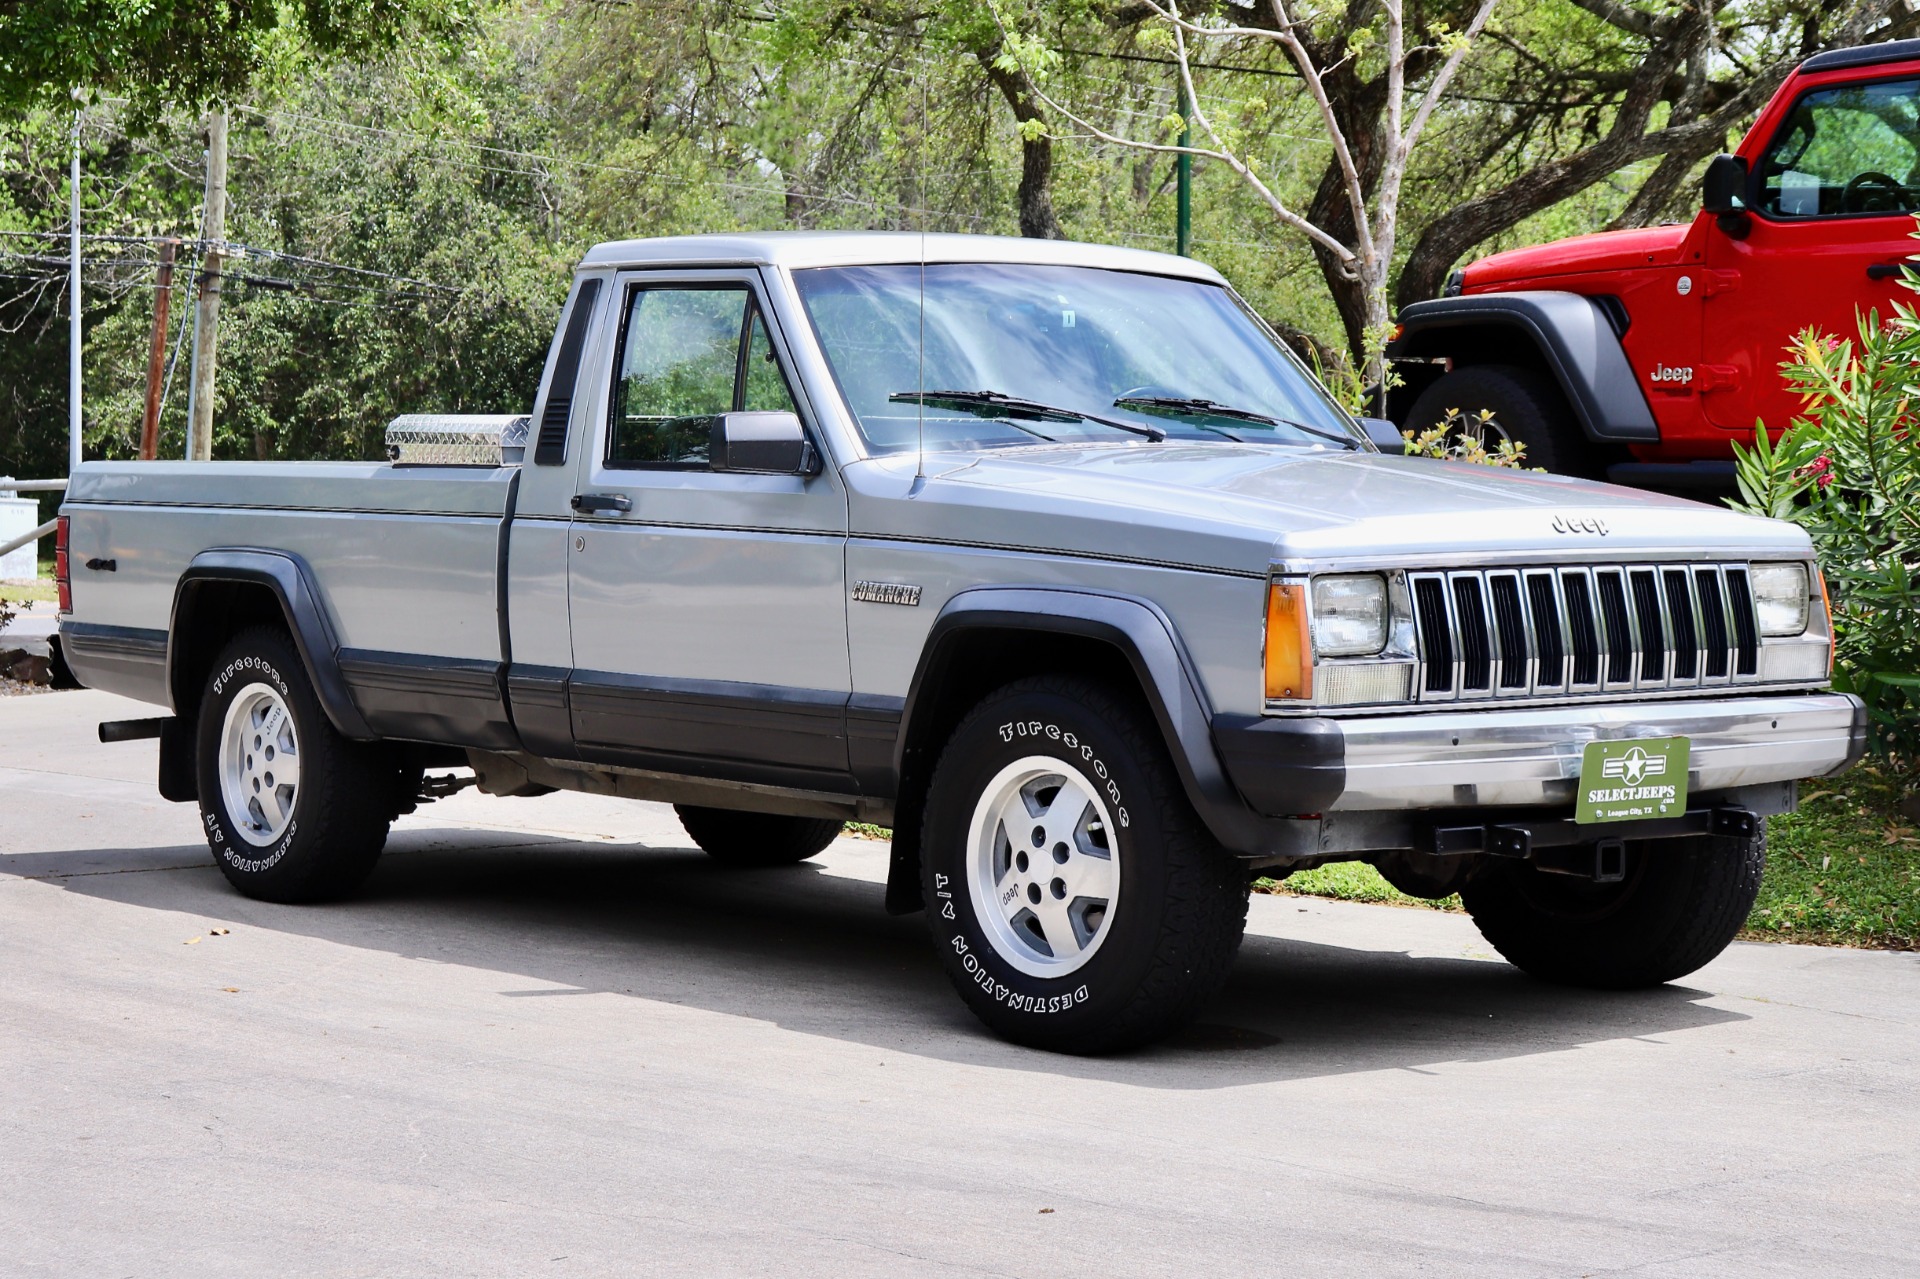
(1848, 471)
(1458, 437)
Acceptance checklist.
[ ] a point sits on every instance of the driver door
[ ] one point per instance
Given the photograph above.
(708, 607)
(1832, 202)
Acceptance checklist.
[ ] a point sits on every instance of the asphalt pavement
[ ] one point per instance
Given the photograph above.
(551, 1038)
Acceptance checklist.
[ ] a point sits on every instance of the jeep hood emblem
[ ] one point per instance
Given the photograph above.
(1572, 524)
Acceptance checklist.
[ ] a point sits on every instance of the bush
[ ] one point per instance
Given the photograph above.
(1460, 437)
(1848, 472)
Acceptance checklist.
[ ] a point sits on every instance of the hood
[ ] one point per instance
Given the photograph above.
(1243, 507)
(1601, 251)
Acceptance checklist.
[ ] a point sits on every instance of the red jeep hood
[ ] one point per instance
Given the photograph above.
(1602, 251)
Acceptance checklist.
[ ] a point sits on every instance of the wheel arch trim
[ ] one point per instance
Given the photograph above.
(288, 579)
(1572, 334)
(1142, 634)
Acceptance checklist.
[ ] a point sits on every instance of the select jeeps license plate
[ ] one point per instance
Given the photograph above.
(1633, 780)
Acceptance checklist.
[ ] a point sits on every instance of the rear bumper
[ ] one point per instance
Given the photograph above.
(1526, 758)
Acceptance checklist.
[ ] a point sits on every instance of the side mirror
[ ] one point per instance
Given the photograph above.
(1385, 435)
(761, 444)
(1723, 191)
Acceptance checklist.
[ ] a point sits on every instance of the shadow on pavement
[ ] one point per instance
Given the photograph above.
(815, 953)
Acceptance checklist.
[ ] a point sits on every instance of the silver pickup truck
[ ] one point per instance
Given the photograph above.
(1047, 555)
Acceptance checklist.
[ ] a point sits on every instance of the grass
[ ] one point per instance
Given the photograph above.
(1843, 870)
(20, 592)
(40, 589)
(1349, 882)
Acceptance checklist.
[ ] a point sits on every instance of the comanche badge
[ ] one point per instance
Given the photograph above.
(887, 593)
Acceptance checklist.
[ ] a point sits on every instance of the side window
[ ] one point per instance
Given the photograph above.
(688, 355)
(764, 385)
(1845, 151)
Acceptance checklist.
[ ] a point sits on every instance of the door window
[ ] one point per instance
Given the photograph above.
(1846, 151)
(688, 355)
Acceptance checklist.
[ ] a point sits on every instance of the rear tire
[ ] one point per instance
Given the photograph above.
(293, 811)
(1527, 407)
(1076, 900)
(1682, 902)
(756, 839)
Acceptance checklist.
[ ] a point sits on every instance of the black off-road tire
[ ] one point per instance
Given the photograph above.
(1528, 407)
(341, 806)
(1682, 902)
(756, 839)
(1181, 902)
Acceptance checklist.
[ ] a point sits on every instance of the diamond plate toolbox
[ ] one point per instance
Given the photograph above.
(457, 439)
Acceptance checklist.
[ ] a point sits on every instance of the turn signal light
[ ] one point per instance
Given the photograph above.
(62, 577)
(1289, 659)
(1826, 602)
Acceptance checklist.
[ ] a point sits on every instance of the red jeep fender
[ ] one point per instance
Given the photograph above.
(1567, 334)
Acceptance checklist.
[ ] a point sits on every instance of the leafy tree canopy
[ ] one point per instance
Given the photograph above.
(156, 53)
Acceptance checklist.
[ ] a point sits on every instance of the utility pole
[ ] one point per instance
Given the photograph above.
(73, 297)
(1183, 180)
(206, 320)
(157, 354)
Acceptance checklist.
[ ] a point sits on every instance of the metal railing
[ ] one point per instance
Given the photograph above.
(31, 486)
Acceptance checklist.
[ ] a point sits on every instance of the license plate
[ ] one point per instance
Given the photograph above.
(1632, 780)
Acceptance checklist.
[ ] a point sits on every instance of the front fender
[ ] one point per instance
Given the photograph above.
(1142, 633)
(1570, 332)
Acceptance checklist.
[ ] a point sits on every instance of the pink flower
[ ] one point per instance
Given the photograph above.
(1820, 470)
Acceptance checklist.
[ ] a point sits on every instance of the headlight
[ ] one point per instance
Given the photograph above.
(1350, 614)
(1780, 597)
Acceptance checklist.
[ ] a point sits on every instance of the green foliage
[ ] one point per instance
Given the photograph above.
(1349, 882)
(1845, 868)
(1849, 473)
(157, 53)
(1458, 437)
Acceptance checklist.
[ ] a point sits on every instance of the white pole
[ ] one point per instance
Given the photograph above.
(73, 331)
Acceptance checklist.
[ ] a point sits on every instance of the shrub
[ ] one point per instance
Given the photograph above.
(1848, 471)
(1458, 437)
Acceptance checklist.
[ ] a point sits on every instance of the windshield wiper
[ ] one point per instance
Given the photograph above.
(1011, 408)
(1194, 406)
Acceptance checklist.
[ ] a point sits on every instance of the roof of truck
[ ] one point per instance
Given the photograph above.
(1863, 55)
(796, 249)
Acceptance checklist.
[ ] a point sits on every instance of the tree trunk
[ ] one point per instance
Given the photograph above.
(1037, 220)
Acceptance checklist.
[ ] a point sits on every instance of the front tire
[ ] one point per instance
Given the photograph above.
(756, 839)
(1077, 902)
(293, 811)
(1527, 407)
(1682, 902)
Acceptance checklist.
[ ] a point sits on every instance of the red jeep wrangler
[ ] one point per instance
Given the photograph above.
(1641, 355)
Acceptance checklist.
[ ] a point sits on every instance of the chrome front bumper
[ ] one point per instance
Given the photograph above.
(1531, 758)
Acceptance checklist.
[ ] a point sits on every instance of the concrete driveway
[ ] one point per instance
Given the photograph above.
(552, 1039)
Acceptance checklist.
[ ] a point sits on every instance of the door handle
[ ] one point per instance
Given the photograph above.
(1883, 270)
(588, 502)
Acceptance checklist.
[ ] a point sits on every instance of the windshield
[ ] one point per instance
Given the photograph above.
(1162, 355)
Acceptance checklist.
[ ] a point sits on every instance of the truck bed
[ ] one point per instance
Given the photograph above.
(412, 558)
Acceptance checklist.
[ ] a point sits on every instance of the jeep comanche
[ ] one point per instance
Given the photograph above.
(1047, 555)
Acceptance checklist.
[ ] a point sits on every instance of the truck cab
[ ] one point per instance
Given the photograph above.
(1642, 355)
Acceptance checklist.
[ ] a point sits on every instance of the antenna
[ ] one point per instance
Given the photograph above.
(920, 218)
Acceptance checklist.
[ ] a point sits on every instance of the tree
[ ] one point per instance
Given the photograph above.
(1374, 92)
(160, 52)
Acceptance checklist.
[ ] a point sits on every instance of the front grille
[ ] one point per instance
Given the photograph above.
(1532, 632)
